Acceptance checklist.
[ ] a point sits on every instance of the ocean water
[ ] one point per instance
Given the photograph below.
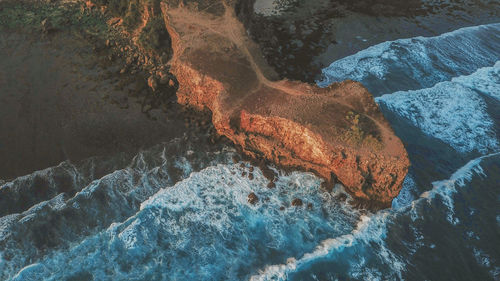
(171, 213)
(420, 62)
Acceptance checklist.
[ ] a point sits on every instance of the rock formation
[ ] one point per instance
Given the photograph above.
(337, 132)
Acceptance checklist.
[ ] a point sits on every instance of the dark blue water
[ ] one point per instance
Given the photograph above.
(172, 213)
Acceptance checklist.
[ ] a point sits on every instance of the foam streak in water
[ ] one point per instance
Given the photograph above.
(368, 228)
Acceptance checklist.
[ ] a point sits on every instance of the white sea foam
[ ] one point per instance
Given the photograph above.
(372, 230)
(31, 272)
(113, 197)
(419, 62)
(406, 195)
(281, 271)
(5, 225)
(485, 81)
(481, 257)
(208, 218)
(205, 223)
(449, 111)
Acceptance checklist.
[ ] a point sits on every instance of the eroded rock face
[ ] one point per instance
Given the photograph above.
(337, 132)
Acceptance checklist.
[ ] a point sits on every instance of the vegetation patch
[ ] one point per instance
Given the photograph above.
(153, 37)
(68, 16)
(357, 135)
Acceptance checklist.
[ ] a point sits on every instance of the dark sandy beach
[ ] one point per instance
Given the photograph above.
(58, 101)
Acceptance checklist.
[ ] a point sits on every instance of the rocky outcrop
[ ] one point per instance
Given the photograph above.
(336, 132)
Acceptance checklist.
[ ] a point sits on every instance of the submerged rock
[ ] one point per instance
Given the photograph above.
(253, 199)
(297, 202)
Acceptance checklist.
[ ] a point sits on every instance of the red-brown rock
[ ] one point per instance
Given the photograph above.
(338, 130)
(252, 198)
(297, 202)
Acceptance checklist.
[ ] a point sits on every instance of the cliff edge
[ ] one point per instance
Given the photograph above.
(337, 132)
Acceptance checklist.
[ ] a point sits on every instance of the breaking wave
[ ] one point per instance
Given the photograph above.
(371, 232)
(420, 62)
(447, 86)
(453, 111)
(74, 214)
(204, 228)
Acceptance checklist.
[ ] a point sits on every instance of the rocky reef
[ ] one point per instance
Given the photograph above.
(337, 132)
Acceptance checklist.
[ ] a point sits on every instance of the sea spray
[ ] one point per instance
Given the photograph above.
(372, 229)
(205, 223)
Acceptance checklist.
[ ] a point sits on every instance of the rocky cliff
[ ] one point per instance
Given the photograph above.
(337, 132)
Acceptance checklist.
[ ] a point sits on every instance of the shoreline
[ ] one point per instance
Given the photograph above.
(303, 37)
(80, 95)
(146, 61)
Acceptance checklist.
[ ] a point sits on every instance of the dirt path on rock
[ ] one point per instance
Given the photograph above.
(230, 28)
